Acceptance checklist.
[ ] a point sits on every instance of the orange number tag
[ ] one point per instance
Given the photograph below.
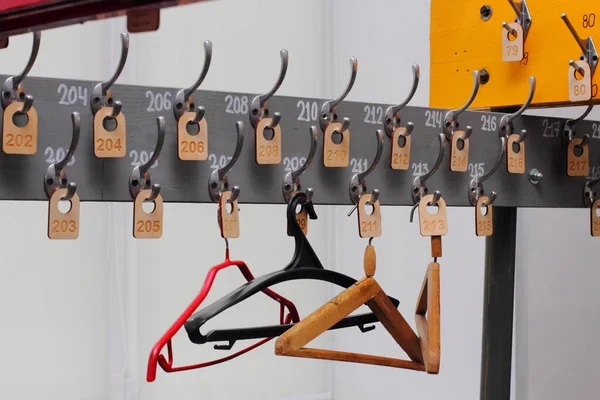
(459, 152)
(63, 225)
(400, 158)
(147, 225)
(268, 151)
(595, 218)
(580, 87)
(336, 155)
(369, 220)
(302, 218)
(192, 146)
(229, 220)
(432, 224)
(484, 225)
(109, 144)
(578, 158)
(515, 155)
(512, 46)
(16, 139)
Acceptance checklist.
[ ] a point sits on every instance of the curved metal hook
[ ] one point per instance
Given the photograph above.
(56, 177)
(452, 115)
(358, 185)
(589, 195)
(392, 119)
(437, 195)
(116, 109)
(27, 104)
(476, 184)
(570, 124)
(257, 107)
(523, 15)
(328, 107)
(218, 181)
(235, 193)
(155, 191)
(140, 176)
(291, 180)
(124, 51)
(11, 85)
(506, 126)
(419, 186)
(200, 111)
(71, 189)
(207, 59)
(587, 46)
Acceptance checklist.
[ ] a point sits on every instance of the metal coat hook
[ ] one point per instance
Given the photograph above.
(506, 122)
(328, 109)
(258, 107)
(587, 46)
(200, 111)
(116, 110)
(101, 95)
(27, 104)
(56, 176)
(358, 185)
(569, 129)
(11, 89)
(291, 180)
(451, 119)
(419, 186)
(140, 176)
(392, 114)
(523, 16)
(589, 194)
(182, 103)
(476, 184)
(218, 181)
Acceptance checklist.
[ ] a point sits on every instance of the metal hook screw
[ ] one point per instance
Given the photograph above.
(259, 103)
(291, 180)
(535, 176)
(218, 181)
(182, 104)
(56, 177)
(140, 176)
(328, 108)
(392, 114)
(101, 95)
(10, 88)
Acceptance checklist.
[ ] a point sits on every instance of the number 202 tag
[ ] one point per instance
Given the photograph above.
(512, 46)
(369, 225)
(580, 87)
(432, 224)
(109, 144)
(147, 225)
(63, 225)
(16, 139)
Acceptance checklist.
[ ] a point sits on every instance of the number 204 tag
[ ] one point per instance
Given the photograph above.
(147, 225)
(432, 224)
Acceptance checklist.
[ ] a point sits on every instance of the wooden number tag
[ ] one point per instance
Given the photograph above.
(512, 46)
(192, 147)
(595, 218)
(483, 223)
(268, 151)
(580, 87)
(302, 218)
(147, 225)
(515, 155)
(370, 261)
(336, 155)
(63, 225)
(432, 224)
(228, 220)
(109, 144)
(16, 139)
(400, 158)
(578, 165)
(369, 225)
(459, 158)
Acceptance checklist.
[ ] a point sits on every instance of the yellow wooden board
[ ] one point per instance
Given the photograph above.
(462, 41)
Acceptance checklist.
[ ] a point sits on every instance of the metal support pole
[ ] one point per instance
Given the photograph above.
(498, 306)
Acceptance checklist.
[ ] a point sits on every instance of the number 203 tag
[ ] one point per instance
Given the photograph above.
(432, 224)
(147, 225)
(63, 225)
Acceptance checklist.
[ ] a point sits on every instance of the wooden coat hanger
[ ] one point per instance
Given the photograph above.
(423, 350)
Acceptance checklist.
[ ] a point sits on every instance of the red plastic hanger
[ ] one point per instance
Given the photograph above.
(167, 363)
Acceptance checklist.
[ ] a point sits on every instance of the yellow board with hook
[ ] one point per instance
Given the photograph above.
(466, 36)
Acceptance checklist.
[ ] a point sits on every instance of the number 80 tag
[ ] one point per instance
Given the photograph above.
(580, 81)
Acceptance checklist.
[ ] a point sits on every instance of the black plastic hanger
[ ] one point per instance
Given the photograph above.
(304, 265)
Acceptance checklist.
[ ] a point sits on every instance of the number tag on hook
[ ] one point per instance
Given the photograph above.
(459, 157)
(63, 225)
(229, 220)
(515, 155)
(369, 224)
(109, 144)
(512, 42)
(147, 225)
(268, 151)
(302, 218)
(432, 224)
(580, 87)
(400, 158)
(595, 222)
(578, 158)
(192, 147)
(16, 139)
(336, 155)
(484, 225)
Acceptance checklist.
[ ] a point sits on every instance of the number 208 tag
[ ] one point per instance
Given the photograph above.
(432, 224)
(147, 225)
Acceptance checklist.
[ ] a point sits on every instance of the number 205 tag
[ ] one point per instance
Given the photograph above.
(147, 225)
